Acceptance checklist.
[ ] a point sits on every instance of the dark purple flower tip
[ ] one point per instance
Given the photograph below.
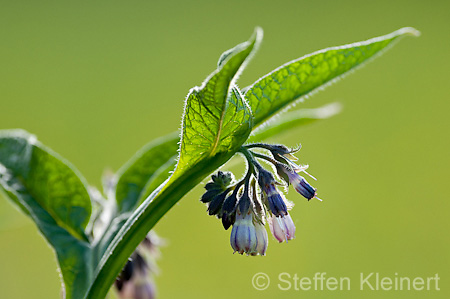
(276, 203)
(299, 182)
(302, 186)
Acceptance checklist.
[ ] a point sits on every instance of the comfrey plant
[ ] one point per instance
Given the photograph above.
(102, 238)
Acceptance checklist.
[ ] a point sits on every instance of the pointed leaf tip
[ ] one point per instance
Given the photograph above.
(255, 41)
(258, 33)
(411, 31)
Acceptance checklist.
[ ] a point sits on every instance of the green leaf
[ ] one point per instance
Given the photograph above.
(211, 136)
(53, 184)
(292, 120)
(293, 81)
(135, 174)
(51, 193)
(133, 185)
(217, 119)
(216, 123)
(160, 175)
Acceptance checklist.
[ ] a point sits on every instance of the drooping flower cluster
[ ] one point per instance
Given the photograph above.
(249, 203)
(135, 281)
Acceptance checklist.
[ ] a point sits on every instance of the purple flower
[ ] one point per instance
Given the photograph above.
(276, 201)
(248, 237)
(299, 182)
(135, 281)
(302, 186)
(282, 228)
(140, 287)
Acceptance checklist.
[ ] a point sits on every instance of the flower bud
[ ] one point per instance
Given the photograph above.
(222, 179)
(209, 195)
(219, 184)
(229, 210)
(215, 205)
(282, 228)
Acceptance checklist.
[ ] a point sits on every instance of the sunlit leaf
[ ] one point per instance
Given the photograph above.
(53, 195)
(217, 120)
(51, 182)
(296, 79)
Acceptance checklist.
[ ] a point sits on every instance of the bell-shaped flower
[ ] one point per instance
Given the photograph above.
(247, 236)
(282, 228)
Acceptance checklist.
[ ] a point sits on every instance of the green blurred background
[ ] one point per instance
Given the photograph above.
(96, 81)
